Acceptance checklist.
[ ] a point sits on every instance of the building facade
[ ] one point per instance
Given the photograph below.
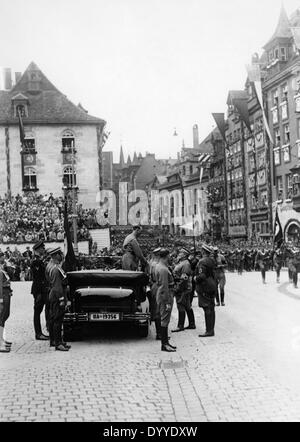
(281, 86)
(217, 198)
(62, 145)
(236, 170)
(257, 156)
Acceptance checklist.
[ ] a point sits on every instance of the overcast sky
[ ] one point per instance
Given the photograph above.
(144, 66)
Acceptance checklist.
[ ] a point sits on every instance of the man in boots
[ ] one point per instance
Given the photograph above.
(183, 277)
(39, 290)
(5, 296)
(206, 289)
(220, 275)
(153, 287)
(164, 297)
(57, 299)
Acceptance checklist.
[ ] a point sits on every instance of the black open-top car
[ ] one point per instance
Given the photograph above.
(114, 296)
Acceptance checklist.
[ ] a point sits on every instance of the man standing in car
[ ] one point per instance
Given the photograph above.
(133, 255)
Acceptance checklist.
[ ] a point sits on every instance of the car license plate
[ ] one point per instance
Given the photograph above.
(105, 316)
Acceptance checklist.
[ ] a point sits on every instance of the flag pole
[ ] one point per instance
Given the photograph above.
(194, 239)
(74, 214)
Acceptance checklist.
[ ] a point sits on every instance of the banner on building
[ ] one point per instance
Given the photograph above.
(254, 75)
(242, 108)
(221, 125)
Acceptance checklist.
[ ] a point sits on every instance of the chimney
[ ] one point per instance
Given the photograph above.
(18, 75)
(195, 136)
(7, 79)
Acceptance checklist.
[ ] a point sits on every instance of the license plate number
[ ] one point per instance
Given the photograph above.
(105, 316)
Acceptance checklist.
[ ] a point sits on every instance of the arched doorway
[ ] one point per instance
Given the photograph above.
(292, 232)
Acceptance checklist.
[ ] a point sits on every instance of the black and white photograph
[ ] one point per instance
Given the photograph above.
(149, 214)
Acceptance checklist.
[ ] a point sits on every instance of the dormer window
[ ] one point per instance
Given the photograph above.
(20, 105)
(271, 56)
(20, 109)
(283, 54)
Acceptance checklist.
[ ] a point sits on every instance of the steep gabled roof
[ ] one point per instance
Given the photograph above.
(46, 104)
(283, 29)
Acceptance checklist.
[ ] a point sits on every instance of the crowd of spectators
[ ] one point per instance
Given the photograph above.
(28, 219)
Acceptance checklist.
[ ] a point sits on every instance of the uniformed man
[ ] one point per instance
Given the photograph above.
(296, 266)
(278, 259)
(164, 297)
(39, 290)
(57, 299)
(262, 260)
(5, 295)
(206, 288)
(183, 277)
(220, 275)
(133, 255)
(153, 287)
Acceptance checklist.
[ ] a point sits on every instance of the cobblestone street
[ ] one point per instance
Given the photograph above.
(247, 372)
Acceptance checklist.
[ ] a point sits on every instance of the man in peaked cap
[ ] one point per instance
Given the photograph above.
(39, 289)
(206, 289)
(153, 288)
(164, 297)
(133, 254)
(57, 298)
(220, 275)
(183, 277)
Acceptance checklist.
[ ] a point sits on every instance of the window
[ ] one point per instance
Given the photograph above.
(29, 178)
(271, 56)
(30, 144)
(274, 111)
(275, 97)
(183, 170)
(251, 164)
(20, 108)
(289, 186)
(284, 93)
(264, 198)
(286, 154)
(172, 207)
(191, 169)
(279, 187)
(286, 128)
(68, 177)
(68, 141)
(277, 159)
(277, 136)
(195, 201)
(283, 54)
